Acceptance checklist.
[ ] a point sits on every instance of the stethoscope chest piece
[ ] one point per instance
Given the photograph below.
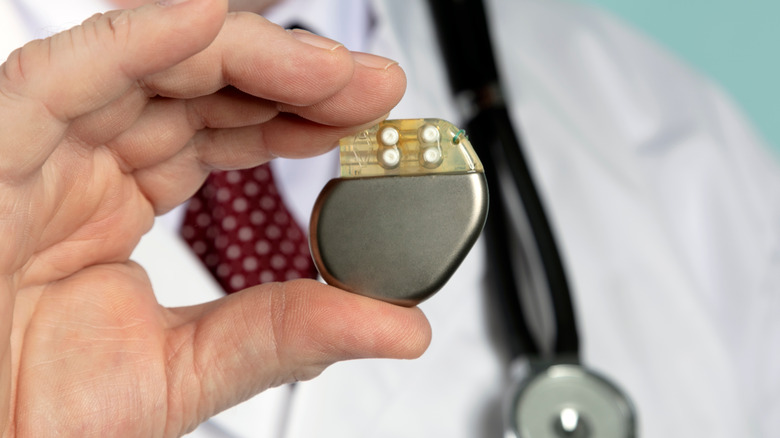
(568, 401)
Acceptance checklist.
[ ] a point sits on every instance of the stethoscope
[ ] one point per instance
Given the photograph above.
(552, 394)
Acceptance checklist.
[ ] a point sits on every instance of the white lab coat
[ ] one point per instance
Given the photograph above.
(665, 204)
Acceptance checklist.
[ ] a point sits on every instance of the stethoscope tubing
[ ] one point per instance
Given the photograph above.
(475, 81)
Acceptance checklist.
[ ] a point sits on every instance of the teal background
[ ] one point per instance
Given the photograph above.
(733, 42)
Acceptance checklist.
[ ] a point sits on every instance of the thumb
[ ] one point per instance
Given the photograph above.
(275, 333)
(47, 83)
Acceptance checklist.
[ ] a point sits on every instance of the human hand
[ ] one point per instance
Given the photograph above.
(120, 119)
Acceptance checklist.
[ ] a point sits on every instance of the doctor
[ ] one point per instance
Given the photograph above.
(664, 203)
(665, 206)
(86, 350)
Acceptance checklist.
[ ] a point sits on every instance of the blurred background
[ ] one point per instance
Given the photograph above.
(734, 42)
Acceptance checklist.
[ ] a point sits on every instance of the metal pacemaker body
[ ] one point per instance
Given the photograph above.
(411, 203)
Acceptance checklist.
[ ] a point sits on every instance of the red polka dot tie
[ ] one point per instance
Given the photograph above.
(239, 227)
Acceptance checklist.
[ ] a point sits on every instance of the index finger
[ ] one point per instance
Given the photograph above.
(262, 59)
(300, 72)
(82, 69)
(48, 83)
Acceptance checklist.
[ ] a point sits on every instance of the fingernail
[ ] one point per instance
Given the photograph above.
(315, 40)
(373, 61)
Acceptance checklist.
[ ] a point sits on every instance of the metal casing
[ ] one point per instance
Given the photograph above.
(398, 239)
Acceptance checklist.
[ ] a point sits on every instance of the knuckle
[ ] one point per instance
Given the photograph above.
(101, 30)
(19, 65)
(117, 24)
(12, 69)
